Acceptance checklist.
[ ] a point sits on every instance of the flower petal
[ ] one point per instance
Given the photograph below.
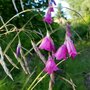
(50, 66)
(61, 53)
(47, 44)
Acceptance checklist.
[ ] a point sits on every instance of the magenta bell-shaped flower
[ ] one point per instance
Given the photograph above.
(70, 47)
(48, 18)
(47, 43)
(61, 53)
(50, 66)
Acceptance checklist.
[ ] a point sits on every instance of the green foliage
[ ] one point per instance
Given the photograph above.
(7, 10)
(81, 6)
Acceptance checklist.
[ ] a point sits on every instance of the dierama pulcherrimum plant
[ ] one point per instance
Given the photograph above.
(66, 50)
(63, 53)
(48, 45)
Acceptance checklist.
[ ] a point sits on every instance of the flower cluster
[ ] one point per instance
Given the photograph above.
(67, 47)
(48, 17)
(66, 50)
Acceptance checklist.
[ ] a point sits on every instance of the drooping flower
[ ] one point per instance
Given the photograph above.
(47, 43)
(48, 18)
(18, 49)
(68, 32)
(50, 66)
(70, 47)
(61, 53)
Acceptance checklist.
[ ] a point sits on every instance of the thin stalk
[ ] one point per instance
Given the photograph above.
(38, 81)
(28, 79)
(3, 23)
(35, 80)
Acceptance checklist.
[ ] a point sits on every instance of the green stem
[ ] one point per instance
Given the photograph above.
(39, 81)
(35, 80)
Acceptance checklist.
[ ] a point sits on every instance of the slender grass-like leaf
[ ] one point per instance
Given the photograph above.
(38, 81)
(25, 62)
(27, 80)
(11, 62)
(35, 80)
(4, 64)
(21, 63)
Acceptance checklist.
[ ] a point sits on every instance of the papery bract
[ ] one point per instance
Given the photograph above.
(61, 53)
(50, 66)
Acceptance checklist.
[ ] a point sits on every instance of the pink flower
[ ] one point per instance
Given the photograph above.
(47, 43)
(48, 18)
(50, 66)
(61, 53)
(70, 47)
(68, 27)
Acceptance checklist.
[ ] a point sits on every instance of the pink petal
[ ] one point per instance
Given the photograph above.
(47, 44)
(61, 53)
(50, 66)
(48, 18)
(71, 48)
